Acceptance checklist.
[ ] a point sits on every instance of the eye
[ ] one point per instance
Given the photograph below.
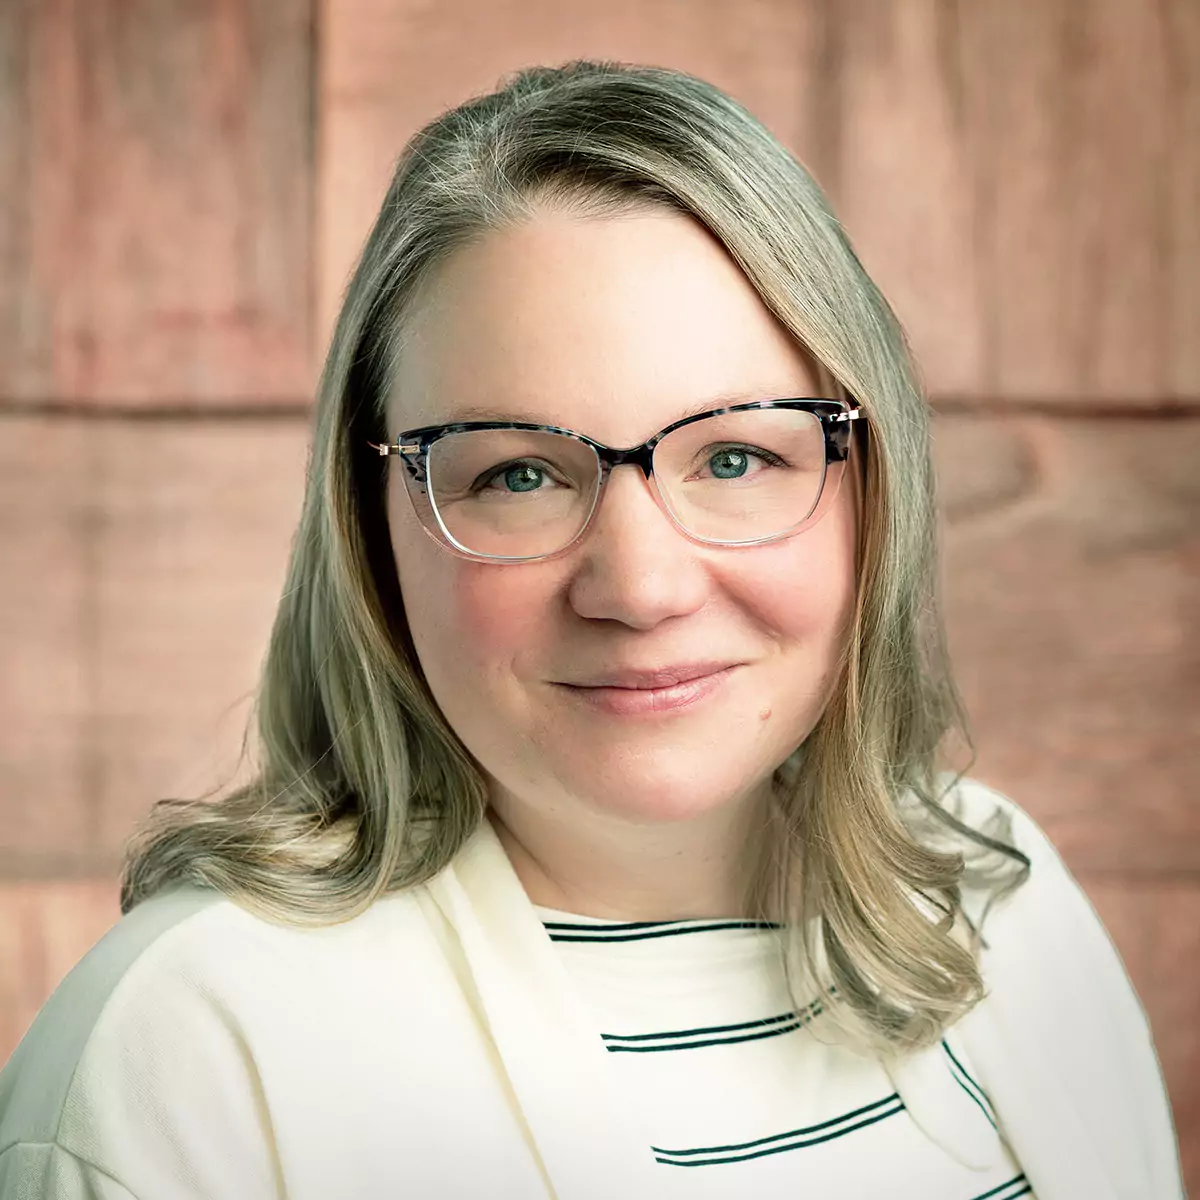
(729, 464)
(515, 478)
(738, 462)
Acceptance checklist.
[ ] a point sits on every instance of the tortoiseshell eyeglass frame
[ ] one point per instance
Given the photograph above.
(414, 445)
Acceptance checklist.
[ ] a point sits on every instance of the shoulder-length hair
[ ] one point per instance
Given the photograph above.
(362, 788)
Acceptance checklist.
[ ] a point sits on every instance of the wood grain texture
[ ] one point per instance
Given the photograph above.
(1072, 587)
(1022, 178)
(155, 162)
(142, 563)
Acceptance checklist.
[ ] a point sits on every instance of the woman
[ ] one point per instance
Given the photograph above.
(600, 847)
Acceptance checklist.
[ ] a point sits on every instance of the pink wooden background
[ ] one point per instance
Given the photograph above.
(183, 189)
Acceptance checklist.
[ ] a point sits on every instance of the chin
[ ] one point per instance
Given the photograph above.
(684, 787)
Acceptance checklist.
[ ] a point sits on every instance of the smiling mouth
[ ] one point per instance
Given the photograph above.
(652, 679)
(639, 693)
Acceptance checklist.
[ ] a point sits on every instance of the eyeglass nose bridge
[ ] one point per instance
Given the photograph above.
(641, 457)
(638, 456)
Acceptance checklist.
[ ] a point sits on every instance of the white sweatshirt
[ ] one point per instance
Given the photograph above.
(439, 1047)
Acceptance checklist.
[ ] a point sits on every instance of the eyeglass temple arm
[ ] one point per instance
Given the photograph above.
(838, 431)
(409, 454)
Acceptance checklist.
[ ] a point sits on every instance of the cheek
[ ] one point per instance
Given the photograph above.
(499, 614)
(467, 619)
(802, 591)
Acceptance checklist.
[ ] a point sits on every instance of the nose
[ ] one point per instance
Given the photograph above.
(634, 564)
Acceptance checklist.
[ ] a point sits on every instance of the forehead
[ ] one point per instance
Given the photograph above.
(613, 325)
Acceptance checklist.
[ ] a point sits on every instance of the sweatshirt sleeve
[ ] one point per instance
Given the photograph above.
(1145, 1104)
(1063, 996)
(147, 1087)
(37, 1170)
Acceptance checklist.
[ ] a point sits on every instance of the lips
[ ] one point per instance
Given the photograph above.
(652, 678)
(650, 694)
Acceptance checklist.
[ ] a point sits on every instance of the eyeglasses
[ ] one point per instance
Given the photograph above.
(512, 492)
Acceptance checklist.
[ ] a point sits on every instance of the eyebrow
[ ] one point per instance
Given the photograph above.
(538, 417)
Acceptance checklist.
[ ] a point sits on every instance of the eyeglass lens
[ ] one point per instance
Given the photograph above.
(735, 477)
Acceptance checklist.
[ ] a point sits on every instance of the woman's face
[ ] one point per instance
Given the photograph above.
(614, 327)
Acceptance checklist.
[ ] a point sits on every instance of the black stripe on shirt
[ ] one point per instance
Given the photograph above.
(963, 1078)
(1005, 1191)
(794, 1139)
(633, 931)
(695, 1039)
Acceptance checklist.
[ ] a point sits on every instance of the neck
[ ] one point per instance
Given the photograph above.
(601, 866)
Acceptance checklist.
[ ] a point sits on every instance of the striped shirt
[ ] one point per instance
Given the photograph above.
(736, 1091)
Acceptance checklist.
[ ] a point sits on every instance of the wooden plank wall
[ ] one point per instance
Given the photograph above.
(156, 361)
(184, 191)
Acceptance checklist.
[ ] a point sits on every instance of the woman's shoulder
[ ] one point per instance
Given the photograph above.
(1032, 913)
(985, 809)
(34, 1083)
(1061, 1019)
(1000, 819)
(179, 981)
(1022, 901)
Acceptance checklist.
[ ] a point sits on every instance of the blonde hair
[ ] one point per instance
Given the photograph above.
(363, 788)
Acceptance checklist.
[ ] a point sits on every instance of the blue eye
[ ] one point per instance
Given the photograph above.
(523, 478)
(517, 477)
(729, 464)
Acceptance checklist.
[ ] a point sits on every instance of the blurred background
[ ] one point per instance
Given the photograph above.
(184, 187)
